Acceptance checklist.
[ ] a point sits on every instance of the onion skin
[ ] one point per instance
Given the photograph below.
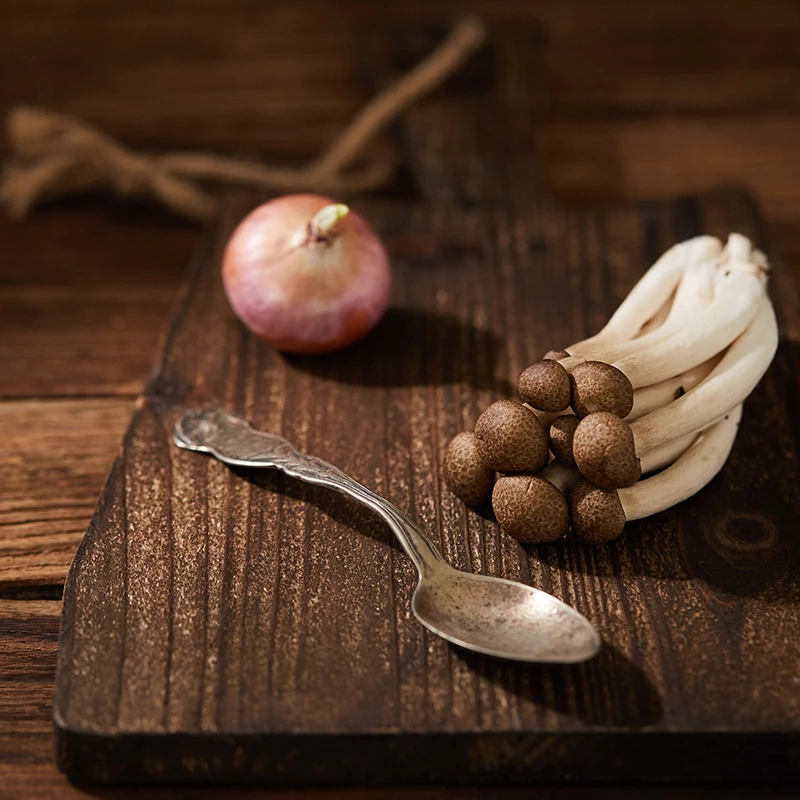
(301, 294)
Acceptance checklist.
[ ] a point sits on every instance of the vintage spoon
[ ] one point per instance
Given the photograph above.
(490, 615)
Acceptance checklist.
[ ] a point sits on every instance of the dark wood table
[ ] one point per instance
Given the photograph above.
(635, 100)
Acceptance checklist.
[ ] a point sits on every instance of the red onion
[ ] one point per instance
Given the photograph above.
(306, 274)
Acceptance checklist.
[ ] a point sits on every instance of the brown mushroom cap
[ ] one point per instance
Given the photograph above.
(604, 451)
(530, 509)
(562, 431)
(597, 386)
(555, 355)
(510, 438)
(597, 514)
(466, 475)
(545, 385)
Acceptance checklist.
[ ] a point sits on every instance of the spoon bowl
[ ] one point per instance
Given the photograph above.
(502, 618)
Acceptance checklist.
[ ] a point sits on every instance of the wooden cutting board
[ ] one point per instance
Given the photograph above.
(234, 625)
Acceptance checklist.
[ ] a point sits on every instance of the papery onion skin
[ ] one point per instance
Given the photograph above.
(299, 295)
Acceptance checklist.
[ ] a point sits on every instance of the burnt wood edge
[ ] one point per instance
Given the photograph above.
(402, 758)
(109, 497)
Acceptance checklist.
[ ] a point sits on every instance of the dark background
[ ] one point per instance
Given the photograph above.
(634, 100)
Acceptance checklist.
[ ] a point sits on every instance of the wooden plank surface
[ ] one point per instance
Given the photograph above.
(103, 355)
(56, 456)
(28, 634)
(627, 158)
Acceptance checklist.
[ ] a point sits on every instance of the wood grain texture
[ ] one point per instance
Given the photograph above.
(102, 351)
(635, 158)
(210, 613)
(84, 295)
(28, 634)
(55, 456)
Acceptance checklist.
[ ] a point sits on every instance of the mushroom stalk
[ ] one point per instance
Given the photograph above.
(730, 297)
(688, 475)
(657, 319)
(546, 417)
(546, 385)
(603, 376)
(735, 305)
(649, 398)
(652, 324)
(693, 296)
(562, 476)
(562, 435)
(608, 385)
(599, 515)
(668, 453)
(651, 292)
(607, 449)
(728, 384)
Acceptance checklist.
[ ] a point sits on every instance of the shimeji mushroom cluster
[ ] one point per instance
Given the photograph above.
(659, 391)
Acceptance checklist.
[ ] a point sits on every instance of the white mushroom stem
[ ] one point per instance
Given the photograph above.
(696, 329)
(546, 417)
(695, 291)
(653, 460)
(650, 293)
(649, 398)
(715, 301)
(657, 319)
(607, 449)
(562, 476)
(599, 515)
(688, 475)
(735, 305)
(692, 296)
(668, 453)
(728, 384)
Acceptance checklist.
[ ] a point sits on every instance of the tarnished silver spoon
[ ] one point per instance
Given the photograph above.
(490, 615)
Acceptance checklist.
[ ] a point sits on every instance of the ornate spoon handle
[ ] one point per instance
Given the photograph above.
(231, 439)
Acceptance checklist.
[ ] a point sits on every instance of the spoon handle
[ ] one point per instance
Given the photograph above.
(231, 439)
